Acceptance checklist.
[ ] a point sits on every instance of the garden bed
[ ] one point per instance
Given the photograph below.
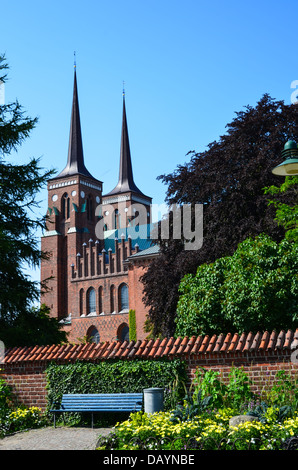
(206, 432)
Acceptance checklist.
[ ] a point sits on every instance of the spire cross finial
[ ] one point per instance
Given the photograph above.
(74, 59)
(123, 92)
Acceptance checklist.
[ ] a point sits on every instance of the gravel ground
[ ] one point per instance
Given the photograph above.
(60, 438)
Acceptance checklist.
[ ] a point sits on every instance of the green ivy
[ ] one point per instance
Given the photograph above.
(116, 376)
(132, 325)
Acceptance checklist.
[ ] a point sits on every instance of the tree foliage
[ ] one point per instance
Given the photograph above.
(19, 246)
(286, 215)
(32, 327)
(229, 180)
(254, 289)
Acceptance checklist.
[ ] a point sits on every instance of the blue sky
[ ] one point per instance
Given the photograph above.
(188, 67)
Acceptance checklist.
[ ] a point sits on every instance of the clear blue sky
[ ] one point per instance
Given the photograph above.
(188, 66)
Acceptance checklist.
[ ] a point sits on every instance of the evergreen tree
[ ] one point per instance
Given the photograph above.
(19, 186)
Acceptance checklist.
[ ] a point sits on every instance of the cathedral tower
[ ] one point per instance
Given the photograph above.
(126, 202)
(92, 284)
(72, 198)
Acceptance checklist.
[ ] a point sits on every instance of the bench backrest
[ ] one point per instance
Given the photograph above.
(102, 402)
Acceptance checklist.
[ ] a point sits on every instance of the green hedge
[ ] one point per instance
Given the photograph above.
(116, 376)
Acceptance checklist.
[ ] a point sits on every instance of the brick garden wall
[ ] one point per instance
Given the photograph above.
(28, 382)
(28, 377)
(261, 367)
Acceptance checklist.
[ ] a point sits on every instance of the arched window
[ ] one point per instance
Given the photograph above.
(123, 297)
(65, 206)
(93, 335)
(123, 332)
(112, 299)
(91, 301)
(81, 306)
(89, 208)
(100, 297)
(117, 219)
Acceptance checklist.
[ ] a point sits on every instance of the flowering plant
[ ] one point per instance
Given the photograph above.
(156, 431)
(26, 418)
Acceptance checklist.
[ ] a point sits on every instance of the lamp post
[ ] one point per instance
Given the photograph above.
(290, 166)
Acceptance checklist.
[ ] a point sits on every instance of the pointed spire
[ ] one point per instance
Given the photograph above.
(126, 181)
(75, 160)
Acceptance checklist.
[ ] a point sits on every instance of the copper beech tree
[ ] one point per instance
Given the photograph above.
(229, 180)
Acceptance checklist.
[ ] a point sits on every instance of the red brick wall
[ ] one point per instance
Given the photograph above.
(28, 382)
(108, 327)
(135, 272)
(28, 379)
(261, 367)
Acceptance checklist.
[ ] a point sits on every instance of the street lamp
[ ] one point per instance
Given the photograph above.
(290, 165)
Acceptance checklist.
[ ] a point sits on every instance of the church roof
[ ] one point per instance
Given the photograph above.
(139, 236)
(126, 182)
(75, 161)
(148, 252)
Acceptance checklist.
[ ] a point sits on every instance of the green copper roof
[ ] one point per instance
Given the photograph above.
(139, 235)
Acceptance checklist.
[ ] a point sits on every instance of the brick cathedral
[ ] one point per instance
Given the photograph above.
(99, 245)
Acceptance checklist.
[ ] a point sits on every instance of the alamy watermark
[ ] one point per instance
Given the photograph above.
(294, 95)
(183, 222)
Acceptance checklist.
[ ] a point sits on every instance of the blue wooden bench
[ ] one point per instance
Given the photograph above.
(97, 403)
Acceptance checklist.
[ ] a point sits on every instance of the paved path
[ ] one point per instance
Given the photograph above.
(60, 438)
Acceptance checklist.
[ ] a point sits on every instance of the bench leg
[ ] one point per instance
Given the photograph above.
(54, 420)
(92, 420)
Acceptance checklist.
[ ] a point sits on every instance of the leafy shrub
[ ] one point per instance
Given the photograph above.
(233, 394)
(254, 289)
(191, 407)
(5, 398)
(271, 414)
(284, 390)
(207, 382)
(238, 390)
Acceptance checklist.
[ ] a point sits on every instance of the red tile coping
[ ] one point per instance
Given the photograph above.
(167, 347)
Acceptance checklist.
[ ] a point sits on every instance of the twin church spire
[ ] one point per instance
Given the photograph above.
(75, 161)
(126, 182)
